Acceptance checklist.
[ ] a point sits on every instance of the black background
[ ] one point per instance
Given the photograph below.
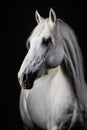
(19, 20)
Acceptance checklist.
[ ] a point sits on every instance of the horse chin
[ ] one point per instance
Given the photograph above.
(28, 86)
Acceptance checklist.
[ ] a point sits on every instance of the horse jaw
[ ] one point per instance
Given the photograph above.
(55, 56)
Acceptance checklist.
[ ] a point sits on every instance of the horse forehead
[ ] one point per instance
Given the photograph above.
(41, 30)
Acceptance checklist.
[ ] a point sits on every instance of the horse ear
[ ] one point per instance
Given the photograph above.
(52, 16)
(38, 17)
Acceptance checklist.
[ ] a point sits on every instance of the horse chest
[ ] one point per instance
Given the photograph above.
(49, 103)
(36, 104)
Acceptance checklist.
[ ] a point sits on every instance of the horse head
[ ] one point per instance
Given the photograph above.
(43, 53)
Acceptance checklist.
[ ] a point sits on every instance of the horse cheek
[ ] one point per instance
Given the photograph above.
(55, 58)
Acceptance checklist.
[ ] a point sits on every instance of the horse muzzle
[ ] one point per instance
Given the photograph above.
(26, 80)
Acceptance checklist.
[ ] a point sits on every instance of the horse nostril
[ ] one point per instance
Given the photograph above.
(25, 78)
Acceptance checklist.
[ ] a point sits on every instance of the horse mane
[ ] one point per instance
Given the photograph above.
(73, 63)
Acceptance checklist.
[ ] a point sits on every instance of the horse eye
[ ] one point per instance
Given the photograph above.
(45, 41)
(28, 45)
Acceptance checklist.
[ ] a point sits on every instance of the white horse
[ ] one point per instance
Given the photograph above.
(54, 92)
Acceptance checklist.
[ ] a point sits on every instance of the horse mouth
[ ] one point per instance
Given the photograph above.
(31, 77)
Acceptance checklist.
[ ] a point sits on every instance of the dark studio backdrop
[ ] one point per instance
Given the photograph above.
(19, 20)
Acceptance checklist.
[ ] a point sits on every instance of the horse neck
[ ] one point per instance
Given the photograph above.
(57, 75)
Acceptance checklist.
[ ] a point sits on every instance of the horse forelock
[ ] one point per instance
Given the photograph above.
(43, 30)
(38, 29)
